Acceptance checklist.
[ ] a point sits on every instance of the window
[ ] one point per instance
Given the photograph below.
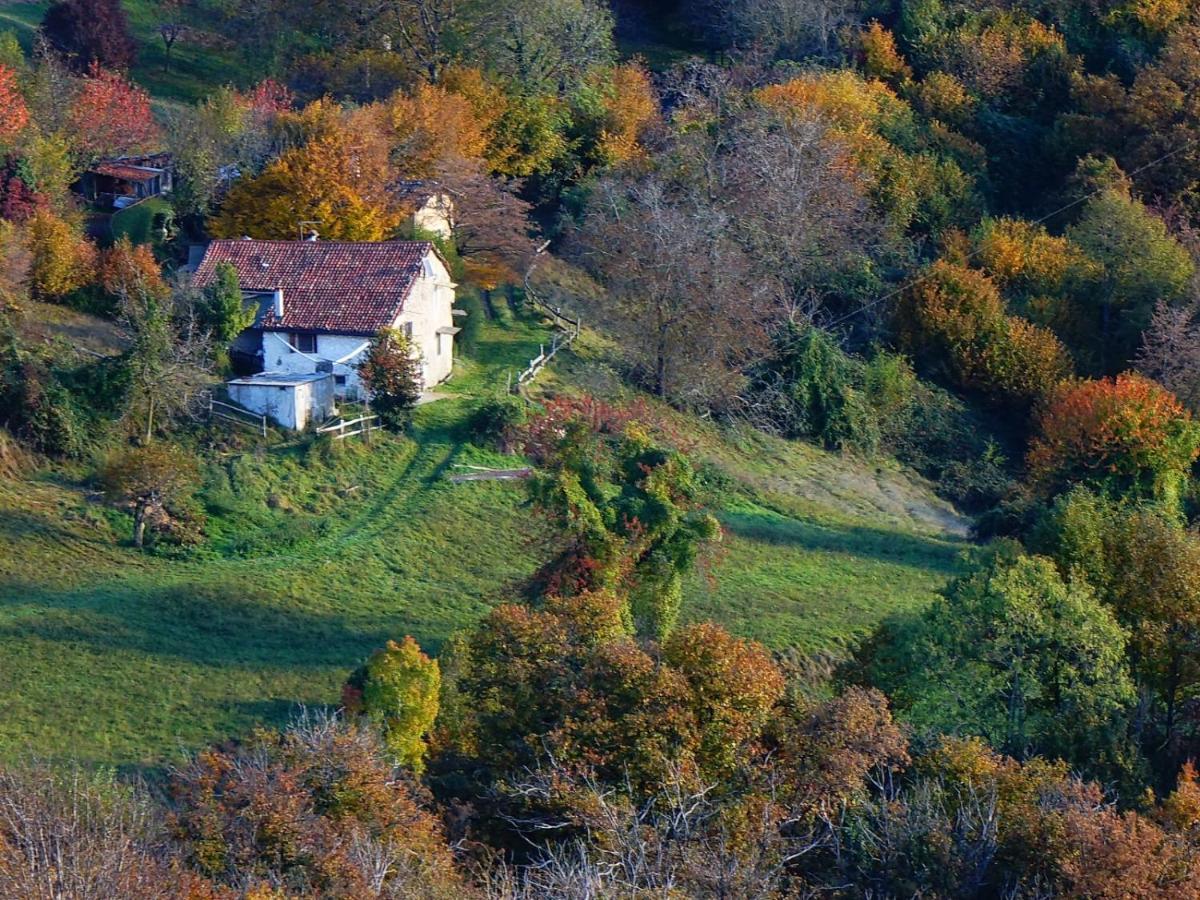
(407, 329)
(339, 380)
(305, 343)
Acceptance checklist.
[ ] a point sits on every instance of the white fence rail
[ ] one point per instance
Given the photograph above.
(568, 331)
(363, 425)
(220, 410)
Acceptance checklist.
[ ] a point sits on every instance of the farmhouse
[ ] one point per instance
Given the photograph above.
(321, 302)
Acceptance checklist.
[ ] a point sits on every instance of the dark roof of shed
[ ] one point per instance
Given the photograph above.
(328, 286)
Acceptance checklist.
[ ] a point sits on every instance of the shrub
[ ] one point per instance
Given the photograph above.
(955, 319)
(811, 388)
(391, 372)
(496, 422)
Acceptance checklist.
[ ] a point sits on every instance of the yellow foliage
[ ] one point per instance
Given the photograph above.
(1181, 809)
(881, 59)
(430, 125)
(339, 179)
(942, 96)
(629, 106)
(63, 259)
(847, 101)
(1024, 255)
(487, 99)
(1156, 17)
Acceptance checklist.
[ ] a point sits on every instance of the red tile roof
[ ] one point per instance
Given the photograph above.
(328, 286)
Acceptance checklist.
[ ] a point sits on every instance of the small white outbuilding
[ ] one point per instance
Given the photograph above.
(293, 400)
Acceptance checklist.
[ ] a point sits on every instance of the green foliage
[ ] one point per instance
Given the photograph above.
(466, 342)
(1145, 565)
(398, 690)
(1015, 654)
(204, 648)
(811, 388)
(223, 309)
(630, 508)
(391, 372)
(495, 422)
(56, 404)
(1141, 263)
(950, 443)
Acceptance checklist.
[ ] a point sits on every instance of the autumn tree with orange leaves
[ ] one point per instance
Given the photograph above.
(111, 116)
(1127, 435)
(14, 115)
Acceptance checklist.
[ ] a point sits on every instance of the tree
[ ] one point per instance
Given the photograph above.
(631, 512)
(319, 807)
(566, 683)
(90, 33)
(1170, 352)
(88, 835)
(224, 311)
(490, 223)
(63, 260)
(811, 230)
(1126, 436)
(171, 26)
(1013, 653)
(169, 356)
(429, 126)
(391, 372)
(18, 200)
(15, 260)
(397, 689)
(1140, 264)
(427, 30)
(787, 29)
(611, 111)
(14, 114)
(1146, 567)
(682, 304)
(125, 269)
(150, 479)
(339, 178)
(953, 319)
(544, 46)
(110, 116)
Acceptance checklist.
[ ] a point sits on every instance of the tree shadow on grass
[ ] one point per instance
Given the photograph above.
(938, 554)
(201, 624)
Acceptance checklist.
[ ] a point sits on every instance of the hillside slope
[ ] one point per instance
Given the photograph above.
(314, 558)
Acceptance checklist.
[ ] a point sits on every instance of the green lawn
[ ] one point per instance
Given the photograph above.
(137, 222)
(315, 557)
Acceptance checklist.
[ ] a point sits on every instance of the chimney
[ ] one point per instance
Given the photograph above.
(278, 301)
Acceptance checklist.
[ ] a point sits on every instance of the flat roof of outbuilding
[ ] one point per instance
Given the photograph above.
(279, 379)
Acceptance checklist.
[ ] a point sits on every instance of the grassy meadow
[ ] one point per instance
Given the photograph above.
(315, 555)
(200, 60)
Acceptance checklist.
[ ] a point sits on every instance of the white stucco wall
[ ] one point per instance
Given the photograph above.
(280, 356)
(428, 308)
(292, 406)
(434, 215)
